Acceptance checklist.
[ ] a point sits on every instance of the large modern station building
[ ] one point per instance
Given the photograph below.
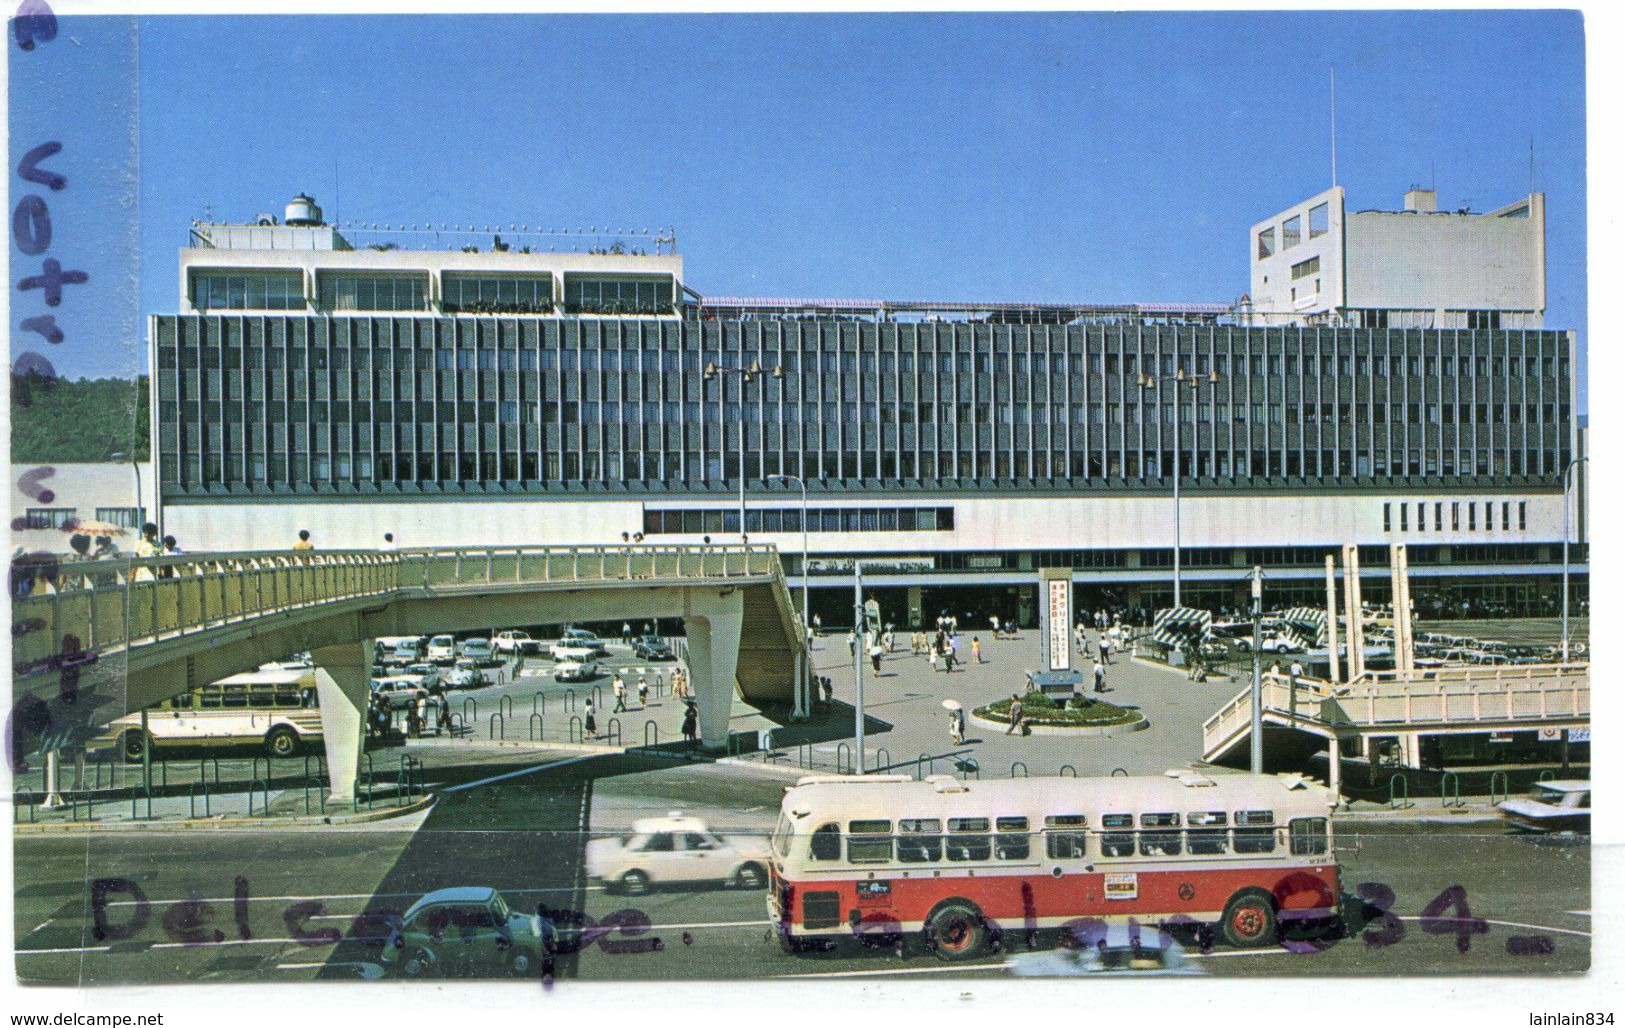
(1387, 379)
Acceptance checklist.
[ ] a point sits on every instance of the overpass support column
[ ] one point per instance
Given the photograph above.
(1334, 755)
(713, 620)
(343, 688)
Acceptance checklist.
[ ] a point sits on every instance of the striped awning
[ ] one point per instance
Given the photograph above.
(1177, 627)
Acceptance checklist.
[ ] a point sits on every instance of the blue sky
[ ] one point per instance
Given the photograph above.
(1045, 157)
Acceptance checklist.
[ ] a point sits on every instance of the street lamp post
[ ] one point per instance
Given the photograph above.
(806, 608)
(146, 737)
(1568, 473)
(1178, 378)
(745, 375)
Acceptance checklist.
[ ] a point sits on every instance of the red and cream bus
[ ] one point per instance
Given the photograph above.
(958, 864)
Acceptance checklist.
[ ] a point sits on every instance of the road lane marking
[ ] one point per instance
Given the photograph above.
(1578, 913)
(520, 772)
(310, 943)
(335, 898)
(898, 970)
(1488, 920)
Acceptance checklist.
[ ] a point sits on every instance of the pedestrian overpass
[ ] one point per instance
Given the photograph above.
(94, 640)
(1406, 705)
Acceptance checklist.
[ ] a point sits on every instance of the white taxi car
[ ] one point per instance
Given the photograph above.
(575, 670)
(676, 850)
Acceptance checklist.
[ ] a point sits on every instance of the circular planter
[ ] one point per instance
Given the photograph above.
(1139, 724)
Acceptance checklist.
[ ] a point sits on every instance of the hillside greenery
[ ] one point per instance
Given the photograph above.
(59, 421)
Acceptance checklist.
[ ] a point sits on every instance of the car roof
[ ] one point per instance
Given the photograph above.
(1566, 785)
(669, 823)
(456, 894)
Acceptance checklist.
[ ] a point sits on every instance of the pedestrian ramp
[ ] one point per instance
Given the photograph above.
(1387, 703)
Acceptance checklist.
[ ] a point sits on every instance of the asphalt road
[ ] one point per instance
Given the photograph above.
(272, 896)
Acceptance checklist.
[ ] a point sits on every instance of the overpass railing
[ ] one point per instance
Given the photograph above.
(1491, 696)
(62, 607)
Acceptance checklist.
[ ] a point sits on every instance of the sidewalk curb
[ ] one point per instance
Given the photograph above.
(1106, 731)
(227, 824)
(1221, 678)
(476, 745)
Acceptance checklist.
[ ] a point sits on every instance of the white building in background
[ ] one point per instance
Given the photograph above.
(1317, 263)
(44, 508)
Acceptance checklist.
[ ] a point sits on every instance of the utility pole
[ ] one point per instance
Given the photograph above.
(858, 626)
(1258, 672)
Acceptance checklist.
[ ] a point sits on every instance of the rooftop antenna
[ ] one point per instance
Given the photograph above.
(1334, 125)
(1531, 165)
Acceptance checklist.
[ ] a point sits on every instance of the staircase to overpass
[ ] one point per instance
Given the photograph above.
(94, 640)
(1407, 705)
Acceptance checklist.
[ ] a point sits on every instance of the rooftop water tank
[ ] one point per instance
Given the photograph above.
(302, 210)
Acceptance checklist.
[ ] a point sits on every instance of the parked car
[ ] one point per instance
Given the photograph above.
(407, 651)
(480, 652)
(584, 670)
(442, 650)
(572, 649)
(1269, 642)
(676, 849)
(651, 647)
(466, 675)
(1563, 805)
(427, 675)
(584, 637)
(467, 931)
(513, 643)
(399, 691)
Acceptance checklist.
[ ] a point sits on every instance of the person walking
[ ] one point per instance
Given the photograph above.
(956, 726)
(1105, 648)
(691, 725)
(589, 720)
(442, 721)
(620, 694)
(1100, 677)
(818, 625)
(1297, 671)
(931, 655)
(829, 691)
(304, 543)
(875, 652)
(1014, 728)
(626, 632)
(852, 642)
(643, 690)
(976, 648)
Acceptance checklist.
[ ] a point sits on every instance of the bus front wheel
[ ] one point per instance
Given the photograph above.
(956, 931)
(282, 741)
(134, 744)
(1249, 920)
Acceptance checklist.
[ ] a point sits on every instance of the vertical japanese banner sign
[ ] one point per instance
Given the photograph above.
(72, 310)
(1060, 619)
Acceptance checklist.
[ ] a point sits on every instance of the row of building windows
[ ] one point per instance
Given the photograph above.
(409, 292)
(1456, 520)
(1291, 230)
(61, 517)
(568, 409)
(789, 519)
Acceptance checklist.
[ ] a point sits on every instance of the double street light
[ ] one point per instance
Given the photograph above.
(745, 376)
(1568, 476)
(1177, 379)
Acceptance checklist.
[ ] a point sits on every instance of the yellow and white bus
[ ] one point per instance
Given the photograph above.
(273, 710)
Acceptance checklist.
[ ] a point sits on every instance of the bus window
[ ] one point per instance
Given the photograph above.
(1011, 842)
(232, 697)
(919, 840)
(1163, 843)
(868, 842)
(181, 702)
(1207, 833)
(1255, 832)
(1062, 843)
(826, 843)
(969, 840)
(1117, 843)
(1308, 835)
(208, 697)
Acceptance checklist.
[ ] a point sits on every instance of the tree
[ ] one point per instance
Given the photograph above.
(84, 421)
